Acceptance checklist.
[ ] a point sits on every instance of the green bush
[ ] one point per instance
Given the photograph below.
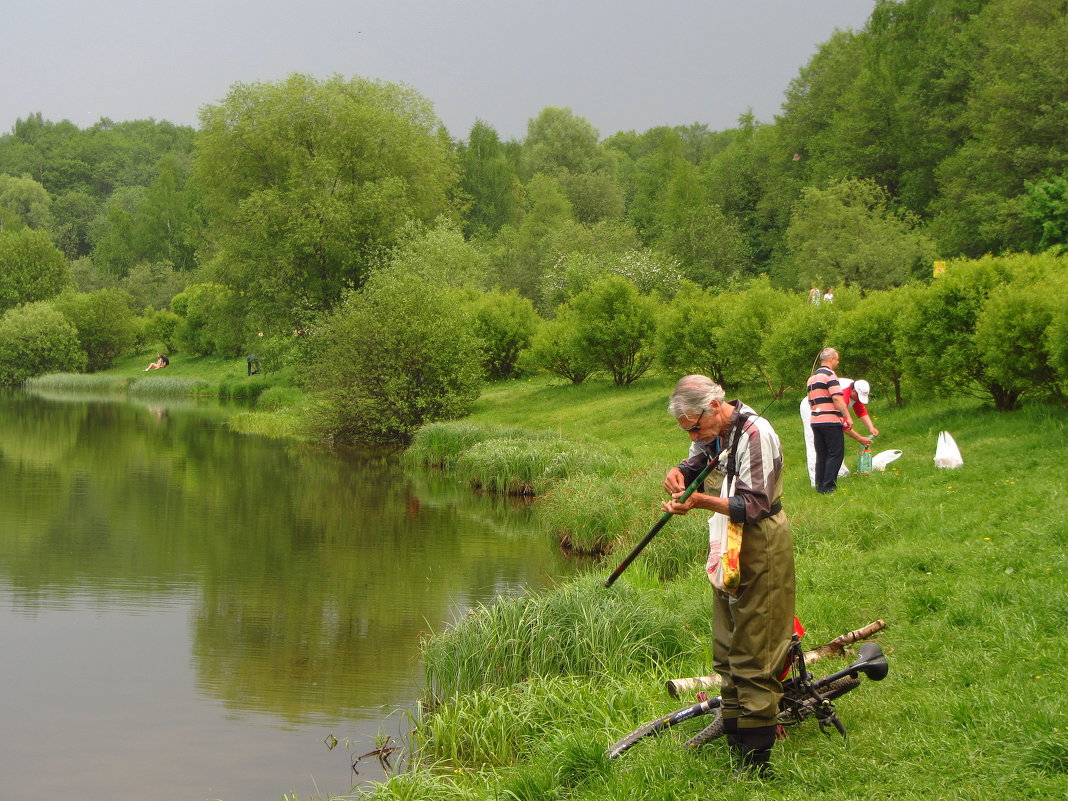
(104, 321)
(36, 339)
(212, 321)
(505, 322)
(870, 340)
(793, 340)
(1010, 332)
(161, 328)
(947, 347)
(690, 335)
(393, 357)
(31, 267)
(616, 325)
(557, 348)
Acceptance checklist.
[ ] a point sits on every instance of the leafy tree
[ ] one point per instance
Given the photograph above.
(1015, 117)
(710, 247)
(212, 320)
(489, 178)
(153, 284)
(520, 254)
(850, 234)
(104, 322)
(31, 268)
(690, 335)
(594, 196)
(560, 140)
(308, 183)
(751, 313)
(1047, 209)
(794, 338)
(165, 226)
(111, 233)
(73, 214)
(27, 201)
(557, 347)
(939, 330)
(391, 358)
(650, 271)
(36, 339)
(617, 326)
(439, 256)
(869, 338)
(505, 323)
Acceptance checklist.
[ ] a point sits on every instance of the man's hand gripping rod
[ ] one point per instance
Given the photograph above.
(690, 490)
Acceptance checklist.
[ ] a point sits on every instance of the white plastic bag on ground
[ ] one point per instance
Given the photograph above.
(880, 460)
(947, 454)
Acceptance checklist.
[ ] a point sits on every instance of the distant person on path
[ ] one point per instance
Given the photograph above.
(159, 364)
(829, 420)
(855, 392)
(751, 628)
(814, 296)
(828, 296)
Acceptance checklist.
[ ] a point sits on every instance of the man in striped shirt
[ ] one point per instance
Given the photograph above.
(829, 421)
(751, 627)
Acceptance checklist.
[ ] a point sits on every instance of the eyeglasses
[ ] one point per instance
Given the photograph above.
(696, 426)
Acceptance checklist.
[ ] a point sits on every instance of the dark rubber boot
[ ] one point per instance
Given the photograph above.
(755, 746)
(730, 730)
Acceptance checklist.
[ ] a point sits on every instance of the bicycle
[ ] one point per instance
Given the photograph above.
(803, 696)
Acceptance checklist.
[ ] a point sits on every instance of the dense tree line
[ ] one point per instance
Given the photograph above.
(340, 208)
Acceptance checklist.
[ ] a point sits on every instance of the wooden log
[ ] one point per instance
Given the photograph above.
(678, 687)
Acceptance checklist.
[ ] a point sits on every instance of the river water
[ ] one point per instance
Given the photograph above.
(187, 613)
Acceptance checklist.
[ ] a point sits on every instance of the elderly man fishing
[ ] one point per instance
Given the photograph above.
(753, 623)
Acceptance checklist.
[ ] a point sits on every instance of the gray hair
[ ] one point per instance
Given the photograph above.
(827, 353)
(693, 395)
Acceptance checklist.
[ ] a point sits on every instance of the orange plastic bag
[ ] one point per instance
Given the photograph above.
(724, 549)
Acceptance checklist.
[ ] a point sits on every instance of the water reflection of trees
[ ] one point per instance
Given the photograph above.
(313, 574)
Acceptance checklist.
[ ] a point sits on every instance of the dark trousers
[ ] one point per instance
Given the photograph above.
(829, 442)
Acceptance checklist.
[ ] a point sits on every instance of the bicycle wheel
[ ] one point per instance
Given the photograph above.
(713, 731)
(839, 687)
(661, 724)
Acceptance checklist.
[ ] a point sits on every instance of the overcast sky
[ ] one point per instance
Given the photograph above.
(623, 65)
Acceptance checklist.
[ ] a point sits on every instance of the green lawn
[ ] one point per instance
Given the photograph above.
(966, 566)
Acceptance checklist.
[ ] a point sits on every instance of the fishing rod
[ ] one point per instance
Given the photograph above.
(690, 490)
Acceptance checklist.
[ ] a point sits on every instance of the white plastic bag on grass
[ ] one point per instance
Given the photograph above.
(947, 454)
(880, 460)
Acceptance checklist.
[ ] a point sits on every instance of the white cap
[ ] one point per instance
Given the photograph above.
(862, 388)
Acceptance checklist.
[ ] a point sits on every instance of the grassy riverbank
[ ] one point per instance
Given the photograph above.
(966, 566)
(275, 404)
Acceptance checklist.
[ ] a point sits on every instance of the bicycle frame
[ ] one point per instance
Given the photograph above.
(802, 689)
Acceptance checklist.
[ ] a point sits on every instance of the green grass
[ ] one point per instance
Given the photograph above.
(967, 567)
(218, 377)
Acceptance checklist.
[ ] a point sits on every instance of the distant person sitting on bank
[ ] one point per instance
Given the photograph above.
(161, 362)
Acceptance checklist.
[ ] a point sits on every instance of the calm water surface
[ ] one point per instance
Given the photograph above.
(187, 613)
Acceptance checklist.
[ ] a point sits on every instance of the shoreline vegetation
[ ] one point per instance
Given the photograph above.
(966, 567)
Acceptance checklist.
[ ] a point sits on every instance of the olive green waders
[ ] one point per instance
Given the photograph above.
(751, 628)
